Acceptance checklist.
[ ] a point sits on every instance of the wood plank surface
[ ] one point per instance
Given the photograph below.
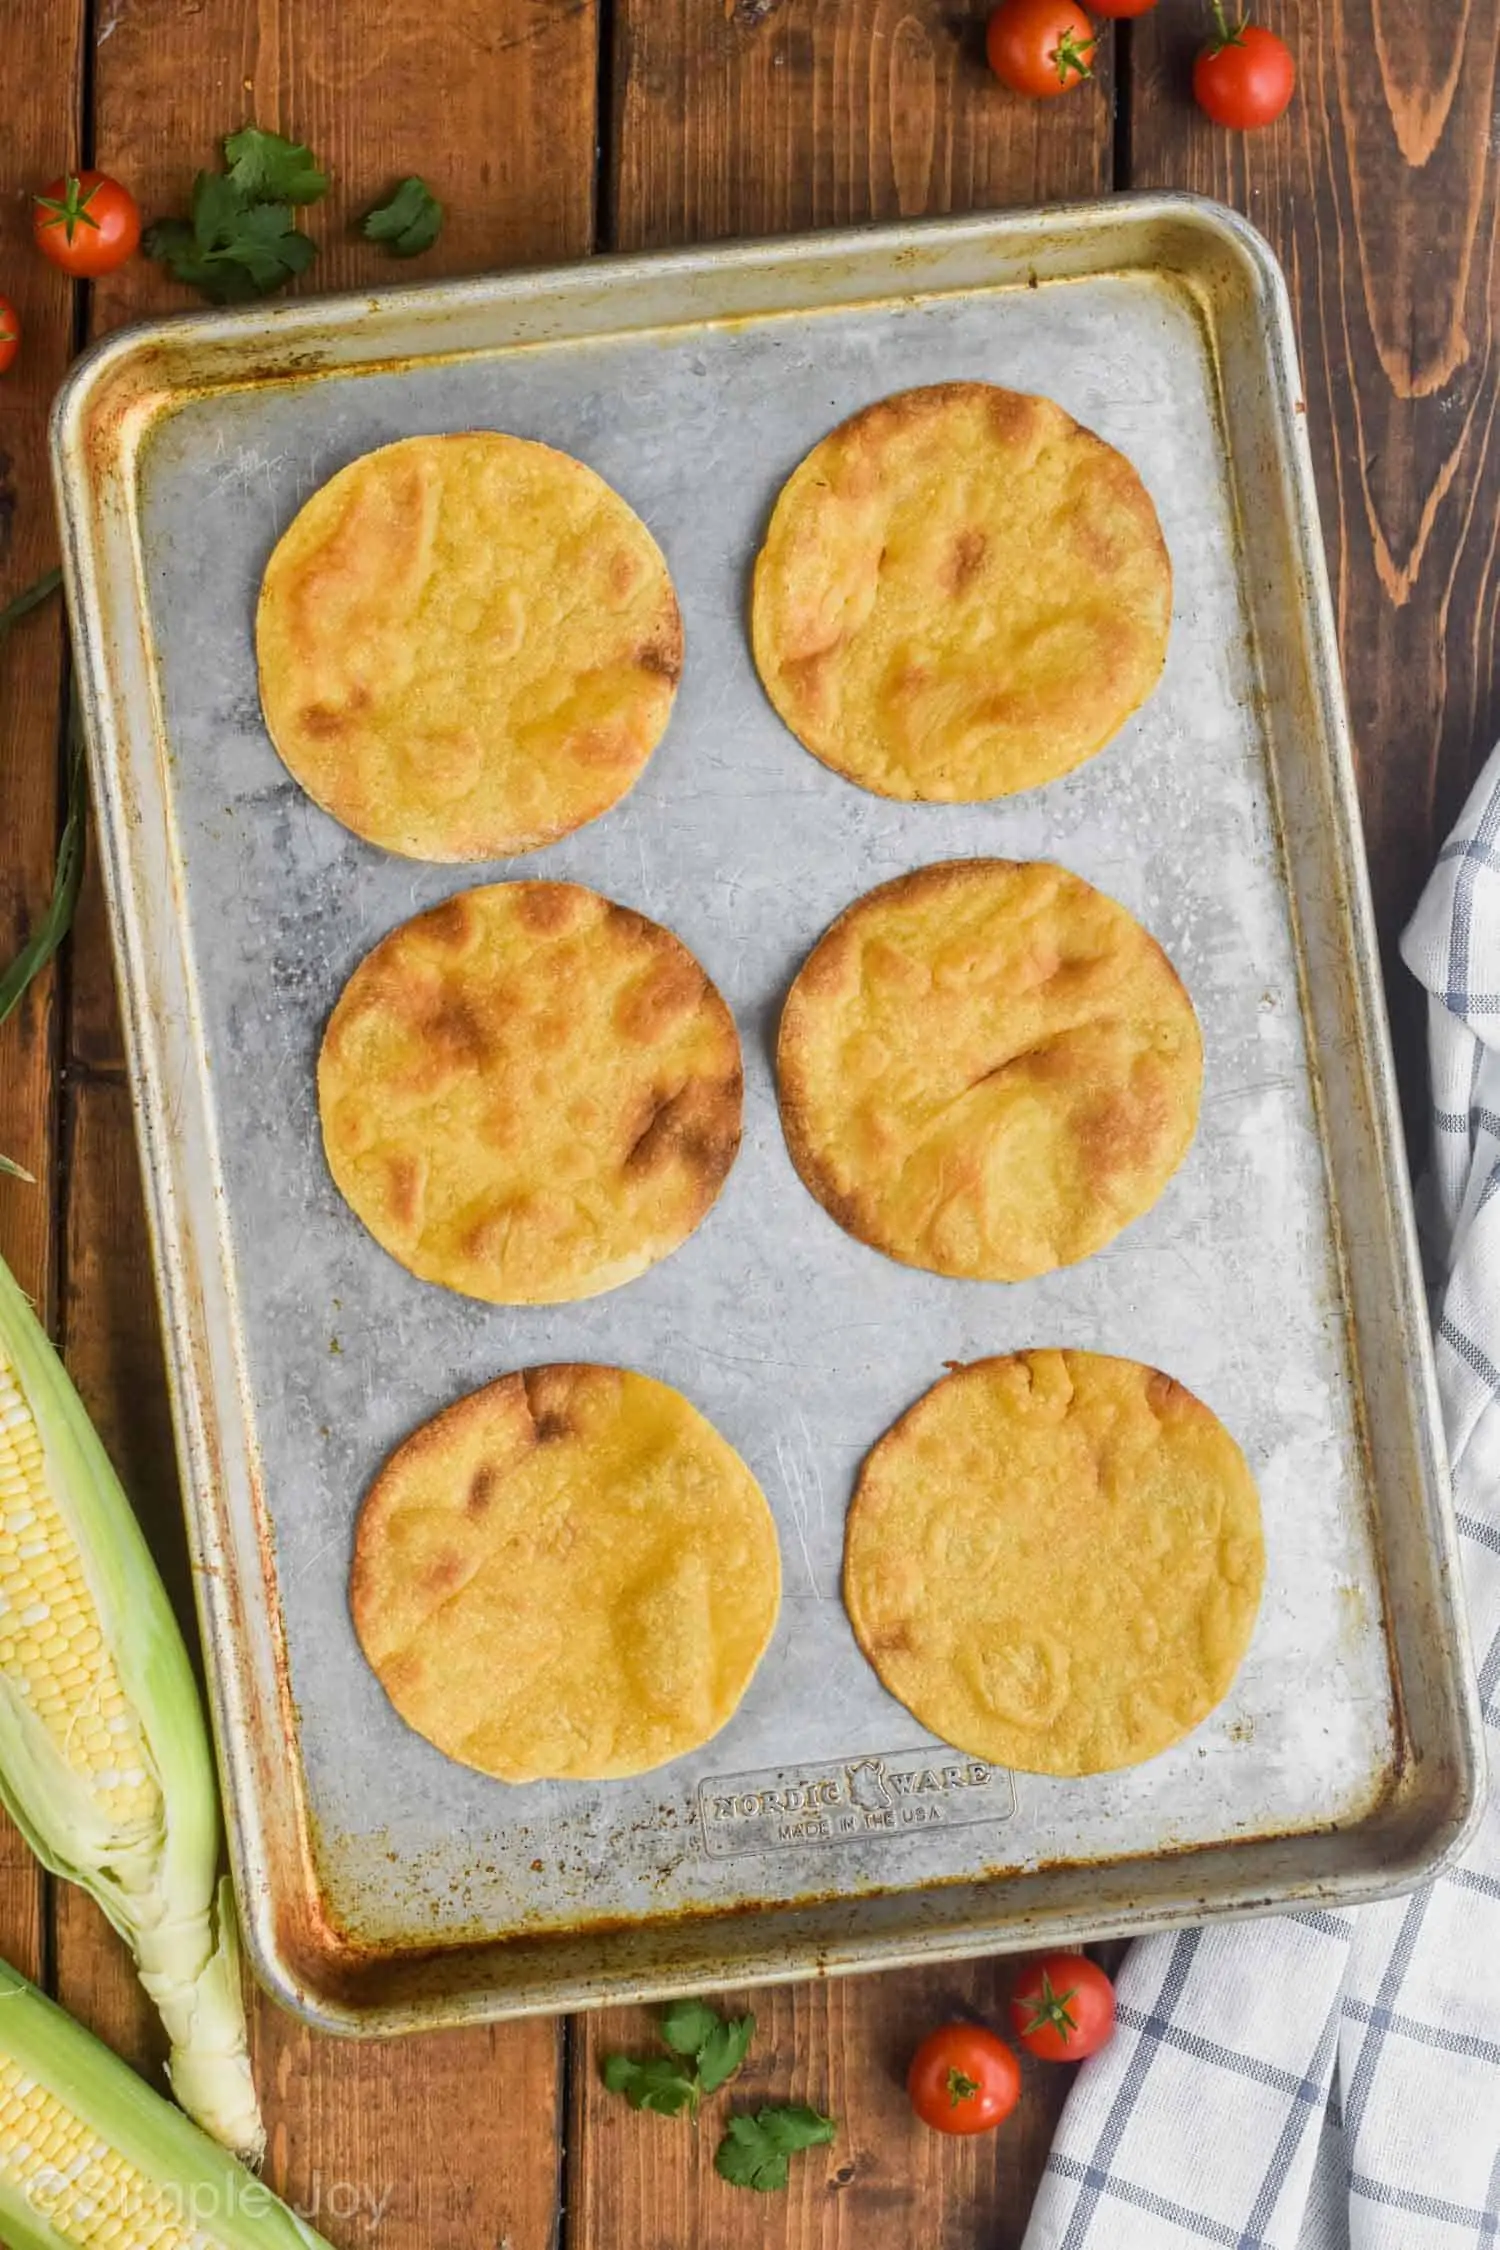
(751, 118)
(736, 117)
(648, 2183)
(41, 128)
(421, 2144)
(1379, 191)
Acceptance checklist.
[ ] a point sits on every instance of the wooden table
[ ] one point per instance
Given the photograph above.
(552, 128)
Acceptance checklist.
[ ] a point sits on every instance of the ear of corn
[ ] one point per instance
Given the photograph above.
(104, 1760)
(89, 2156)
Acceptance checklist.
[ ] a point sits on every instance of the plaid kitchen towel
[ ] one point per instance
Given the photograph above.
(1331, 2081)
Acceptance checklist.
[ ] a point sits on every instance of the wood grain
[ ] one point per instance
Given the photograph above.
(759, 115)
(1379, 191)
(749, 118)
(648, 2183)
(438, 2143)
(41, 103)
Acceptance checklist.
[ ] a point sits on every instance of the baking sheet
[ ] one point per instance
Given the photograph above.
(800, 1344)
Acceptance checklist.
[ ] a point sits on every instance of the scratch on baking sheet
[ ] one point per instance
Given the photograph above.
(248, 467)
(812, 1462)
(1246, 1093)
(726, 1359)
(796, 1492)
(318, 1553)
(640, 845)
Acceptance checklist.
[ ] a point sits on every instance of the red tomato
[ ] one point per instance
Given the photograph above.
(1245, 76)
(1063, 2007)
(1121, 7)
(10, 334)
(86, 223)
(1040, 47)
(963, 2080)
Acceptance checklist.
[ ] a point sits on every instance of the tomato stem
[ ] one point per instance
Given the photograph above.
(1050, 2010)
(71, 210)
(1224, 36)
(1072, 53)
(961, 2088)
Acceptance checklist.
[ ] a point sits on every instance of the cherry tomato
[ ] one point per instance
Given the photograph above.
(1063, 2007)
(1121, 7)
(963, 2080)
(1245, 76)
(86, 223)
(1040, 47)
(10, 334)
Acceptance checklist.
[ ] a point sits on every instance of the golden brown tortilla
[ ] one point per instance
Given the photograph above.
(529, 1094)
(468, 646)
(988, 1068)
(962, 593)
(1055, 1560)
(568, 1575)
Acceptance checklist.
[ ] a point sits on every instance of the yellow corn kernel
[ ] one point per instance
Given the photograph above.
(86, 2191)
(51, 1648)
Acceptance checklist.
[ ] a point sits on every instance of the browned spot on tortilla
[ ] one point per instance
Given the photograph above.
(451, 924)
(404, 1179)
(443, 1573)
(455, 1027)
(548, 906)
(600, 746)
(697, 1127)
(624, 572)
(483, 1486)
(670, 990)
(965, 559)
(323, 723)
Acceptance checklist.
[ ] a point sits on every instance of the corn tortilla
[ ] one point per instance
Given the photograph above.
(468, 646)
(1054, 1560)
(530, 1094)
(568, 1575)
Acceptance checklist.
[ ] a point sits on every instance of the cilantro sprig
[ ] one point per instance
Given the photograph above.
(704, 2050)
(756, 2150)
(408, 222)
(56, 918)
(242, 240)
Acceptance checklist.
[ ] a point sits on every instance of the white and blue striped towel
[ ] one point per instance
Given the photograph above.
(1331, 2081)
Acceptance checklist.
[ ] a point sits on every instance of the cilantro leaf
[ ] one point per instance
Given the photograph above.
(723, 2051)
(269, 169)
(705, 2051)
(408, 223)
(660, 2084)
(755, 2150)
(217, 206)
(233, 250)
(264, 241)
(687, 2025)
(171, 241)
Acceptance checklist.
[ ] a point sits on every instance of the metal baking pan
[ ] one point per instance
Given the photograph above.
(382, 1886)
